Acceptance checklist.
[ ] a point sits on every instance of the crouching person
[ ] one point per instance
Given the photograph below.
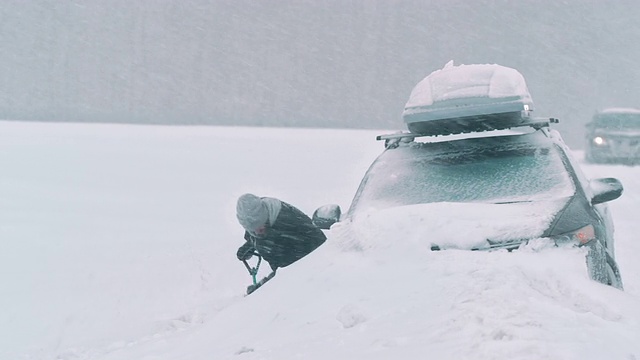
(275, 230)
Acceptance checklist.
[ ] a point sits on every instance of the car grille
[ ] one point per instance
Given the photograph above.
(621, 147)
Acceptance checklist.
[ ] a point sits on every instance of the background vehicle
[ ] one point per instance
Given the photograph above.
(508, 177)
(613, 136)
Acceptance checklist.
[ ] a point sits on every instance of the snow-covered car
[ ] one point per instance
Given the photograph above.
(613, 136)
(486, 190)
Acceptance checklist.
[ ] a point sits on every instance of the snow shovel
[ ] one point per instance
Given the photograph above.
(253, 271)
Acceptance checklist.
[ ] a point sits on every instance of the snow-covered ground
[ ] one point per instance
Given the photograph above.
(117, 242)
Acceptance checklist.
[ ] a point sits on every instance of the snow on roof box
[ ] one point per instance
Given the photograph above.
(468, 98)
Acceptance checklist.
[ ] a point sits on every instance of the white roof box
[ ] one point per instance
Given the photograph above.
(468, 98)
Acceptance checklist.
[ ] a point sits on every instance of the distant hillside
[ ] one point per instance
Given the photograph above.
(304, 63)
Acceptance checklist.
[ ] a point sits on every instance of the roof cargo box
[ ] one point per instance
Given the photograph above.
(468, 98)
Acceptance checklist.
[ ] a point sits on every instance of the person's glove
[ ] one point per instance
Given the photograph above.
(273, 267)
(245, 252)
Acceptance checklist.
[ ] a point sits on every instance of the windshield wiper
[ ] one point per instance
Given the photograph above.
(513, 202)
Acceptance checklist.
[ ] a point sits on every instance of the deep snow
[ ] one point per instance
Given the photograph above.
(118, 242)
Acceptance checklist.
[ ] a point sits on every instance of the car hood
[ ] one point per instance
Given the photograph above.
(459, 225)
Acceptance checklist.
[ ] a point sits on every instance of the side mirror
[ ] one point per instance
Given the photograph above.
(326, 215)
(605, 189)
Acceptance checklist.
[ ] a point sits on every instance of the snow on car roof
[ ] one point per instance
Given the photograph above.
(620, 111)
(494, 139)
(469, 81)
(482, 134)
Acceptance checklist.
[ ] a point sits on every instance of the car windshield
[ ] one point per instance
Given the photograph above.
(618, 121)
(412, 176)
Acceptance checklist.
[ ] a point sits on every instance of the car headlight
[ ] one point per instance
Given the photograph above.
(599, 140)
(578, 237)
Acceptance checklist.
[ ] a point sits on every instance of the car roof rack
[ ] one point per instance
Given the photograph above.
(393, 140)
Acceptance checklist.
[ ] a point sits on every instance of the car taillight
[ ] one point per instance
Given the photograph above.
(581, 236)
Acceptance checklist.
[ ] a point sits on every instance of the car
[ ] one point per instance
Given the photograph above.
(613, 137)
(513, 181)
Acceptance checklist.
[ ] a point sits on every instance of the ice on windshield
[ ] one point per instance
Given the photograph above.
(491, 176)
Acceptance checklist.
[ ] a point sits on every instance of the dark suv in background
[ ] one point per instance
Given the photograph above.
(613, 137)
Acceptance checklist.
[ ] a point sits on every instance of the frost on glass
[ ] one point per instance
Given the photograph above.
(502, 175)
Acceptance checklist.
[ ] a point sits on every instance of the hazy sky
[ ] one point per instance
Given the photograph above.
(303, 63)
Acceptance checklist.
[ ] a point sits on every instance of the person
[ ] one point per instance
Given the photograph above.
(275, 230)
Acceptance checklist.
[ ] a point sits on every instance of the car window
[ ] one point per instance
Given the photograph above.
(583, 180)
(618, 121)
(496, 176)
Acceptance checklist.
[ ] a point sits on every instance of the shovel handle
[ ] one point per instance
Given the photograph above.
(253, 271)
